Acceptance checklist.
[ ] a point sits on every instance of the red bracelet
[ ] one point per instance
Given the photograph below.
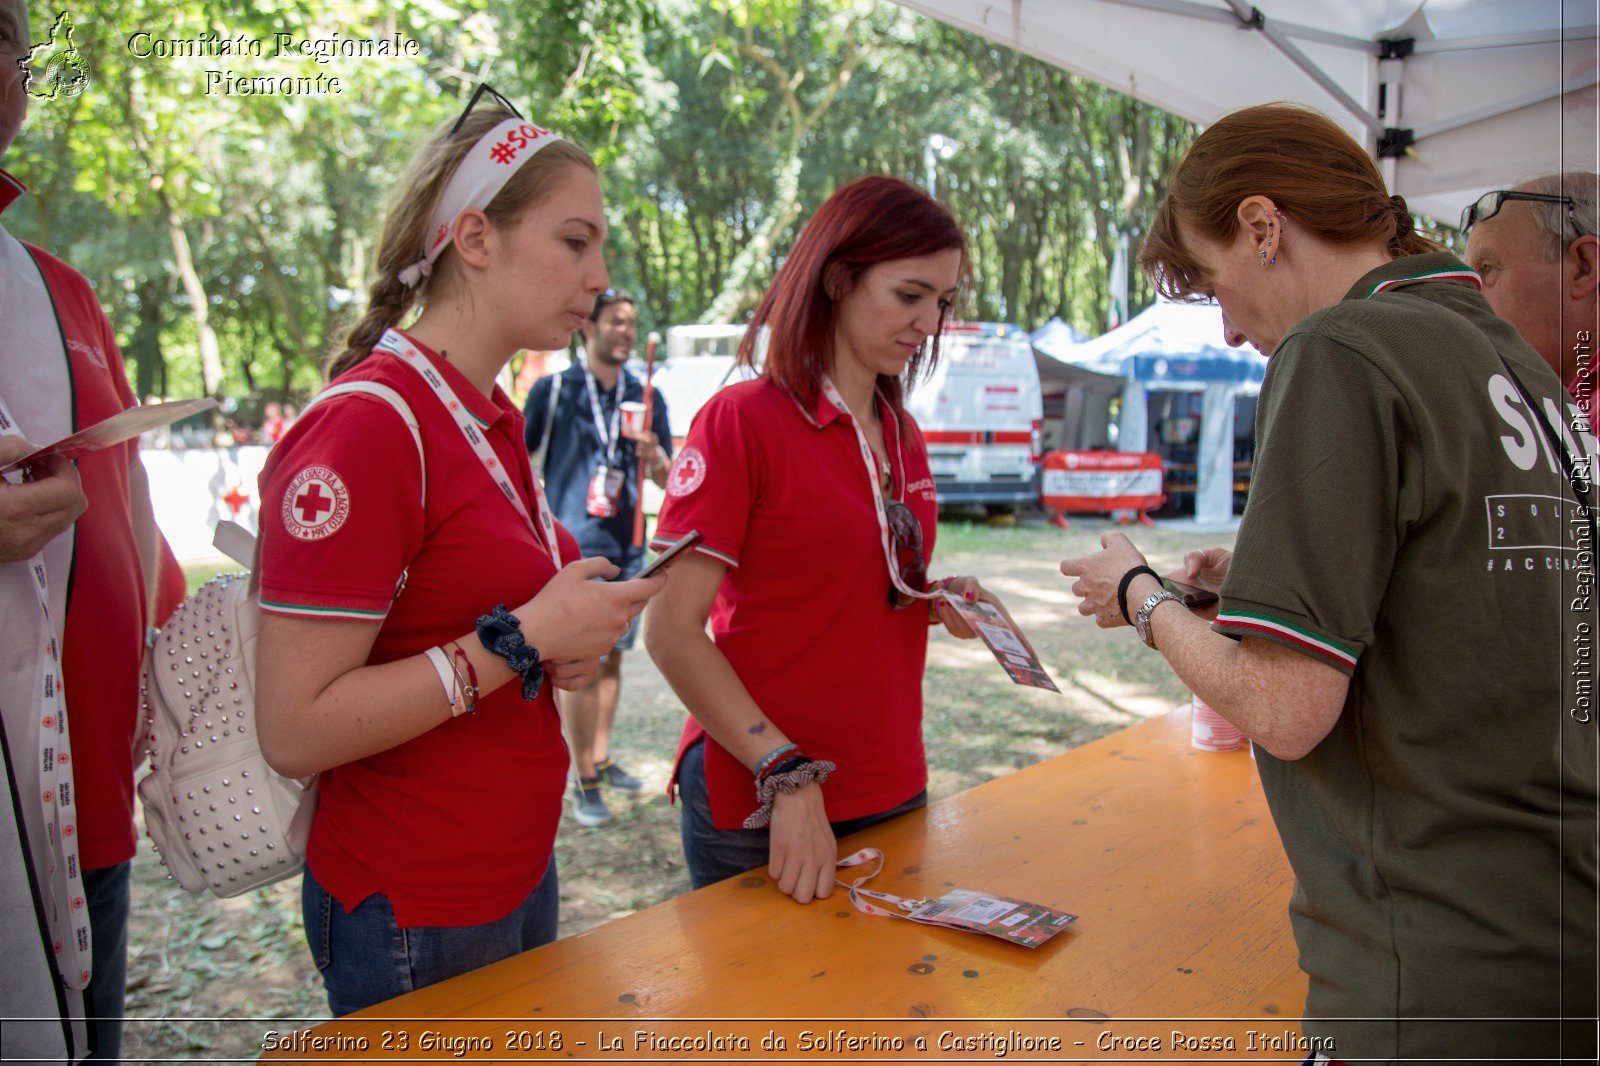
(457, 654)
(466, 680)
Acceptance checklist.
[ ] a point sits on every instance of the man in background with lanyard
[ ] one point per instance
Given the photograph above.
(78, 551)
(588, 455)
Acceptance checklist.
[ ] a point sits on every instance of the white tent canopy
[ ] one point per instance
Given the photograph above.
(1455, 96)
(1179, 346)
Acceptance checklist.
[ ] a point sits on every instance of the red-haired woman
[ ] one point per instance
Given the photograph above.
(1394, 632)
(811, 489)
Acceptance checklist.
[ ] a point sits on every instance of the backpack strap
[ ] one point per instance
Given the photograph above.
(541, 458)
(393, 399)
(239, 544)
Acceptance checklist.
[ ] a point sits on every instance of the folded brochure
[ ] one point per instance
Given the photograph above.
(120, 427)
(1011, 649)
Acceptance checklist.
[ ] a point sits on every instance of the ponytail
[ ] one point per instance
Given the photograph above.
(1406, 239)
(388, 301)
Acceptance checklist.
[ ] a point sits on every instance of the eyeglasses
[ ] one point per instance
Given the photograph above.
(484, 89)
(1489, 204)
(907, 533)
(606, 299)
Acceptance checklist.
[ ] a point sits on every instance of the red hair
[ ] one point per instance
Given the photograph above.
(871, 220)
(1303, 161)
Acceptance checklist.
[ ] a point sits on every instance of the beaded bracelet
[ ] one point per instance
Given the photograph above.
(500, 631)
(788, 781)
(783, 766)
(771, 757)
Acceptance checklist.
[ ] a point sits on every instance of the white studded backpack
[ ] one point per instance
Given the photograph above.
(221, 818)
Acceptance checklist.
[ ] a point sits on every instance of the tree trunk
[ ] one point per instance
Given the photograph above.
(199, 304)
(145, 343)
(740, 285)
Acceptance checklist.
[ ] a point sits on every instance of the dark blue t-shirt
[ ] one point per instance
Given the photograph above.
(576, 450)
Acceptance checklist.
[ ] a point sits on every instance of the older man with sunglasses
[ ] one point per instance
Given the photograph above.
(1536, 248)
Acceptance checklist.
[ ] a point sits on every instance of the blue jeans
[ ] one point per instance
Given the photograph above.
(366, 958)
(717, 854)
(630, 564)
(107, 890)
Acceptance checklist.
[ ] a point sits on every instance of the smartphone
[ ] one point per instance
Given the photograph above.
(1191, 596)
(673, 550)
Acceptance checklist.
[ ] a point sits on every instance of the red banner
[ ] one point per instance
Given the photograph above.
(1101, 481)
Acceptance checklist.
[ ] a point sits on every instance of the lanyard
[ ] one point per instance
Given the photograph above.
(832, 393)
(396, 343)
(859, 896)
(608, 438)
(65, 901)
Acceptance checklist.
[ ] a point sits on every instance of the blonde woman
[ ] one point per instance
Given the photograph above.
(388, 662)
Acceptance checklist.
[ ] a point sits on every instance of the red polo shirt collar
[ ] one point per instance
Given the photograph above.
(822, 413)
(485, 410)
(10, 189)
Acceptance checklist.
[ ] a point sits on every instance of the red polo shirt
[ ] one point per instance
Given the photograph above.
(780, 493)
(454, 826)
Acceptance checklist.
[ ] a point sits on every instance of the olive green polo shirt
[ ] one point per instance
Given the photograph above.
(1410, 526)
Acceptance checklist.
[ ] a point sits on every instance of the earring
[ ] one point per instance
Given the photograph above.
(1272, 232)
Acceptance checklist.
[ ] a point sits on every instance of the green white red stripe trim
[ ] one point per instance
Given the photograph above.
(730, 560)
(661, 545)
(302, 611)
(1434, 275)
(1261, 623)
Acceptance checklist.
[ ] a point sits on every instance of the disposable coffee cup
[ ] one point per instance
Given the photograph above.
(1212, 732)
(633, 416)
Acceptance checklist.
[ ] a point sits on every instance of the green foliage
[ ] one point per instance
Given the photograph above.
(719, 127)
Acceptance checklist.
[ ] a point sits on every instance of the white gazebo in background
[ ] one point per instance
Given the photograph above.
(1455, 97)
(1173, 347)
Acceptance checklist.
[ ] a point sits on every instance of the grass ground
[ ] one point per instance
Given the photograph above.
(244, 960)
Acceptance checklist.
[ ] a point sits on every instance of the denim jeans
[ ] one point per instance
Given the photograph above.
(366, 958)
(107, 890)
(717, 854)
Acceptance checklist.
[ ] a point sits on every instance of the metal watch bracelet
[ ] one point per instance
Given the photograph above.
(1141, 621)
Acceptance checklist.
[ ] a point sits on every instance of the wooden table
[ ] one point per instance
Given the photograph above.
(1167, 855)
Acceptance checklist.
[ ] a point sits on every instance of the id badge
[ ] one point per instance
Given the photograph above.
(605, 493)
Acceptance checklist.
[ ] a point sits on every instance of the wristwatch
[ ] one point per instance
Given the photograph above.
(1141, 621)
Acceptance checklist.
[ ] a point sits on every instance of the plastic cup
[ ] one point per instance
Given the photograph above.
(633, 416)
(1209, 731)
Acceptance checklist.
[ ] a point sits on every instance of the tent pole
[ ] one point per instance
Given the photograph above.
(1504, 107)
(1565, 35)
(1252, 17)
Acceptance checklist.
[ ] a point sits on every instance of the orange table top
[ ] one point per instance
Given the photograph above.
(1167, 855)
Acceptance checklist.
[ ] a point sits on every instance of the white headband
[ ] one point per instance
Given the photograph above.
(482, 173)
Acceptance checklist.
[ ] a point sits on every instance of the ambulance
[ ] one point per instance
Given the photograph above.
(982, 413)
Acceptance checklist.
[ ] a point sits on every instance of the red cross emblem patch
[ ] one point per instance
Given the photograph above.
(688, 471)
(316, 504)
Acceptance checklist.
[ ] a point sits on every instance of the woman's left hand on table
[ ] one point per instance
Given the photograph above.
(1099, 575)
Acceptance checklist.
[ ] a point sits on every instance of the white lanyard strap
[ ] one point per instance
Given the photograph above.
(66, 903)
(397, 344)
(871, 460)
(898, 905)
(608, 437)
